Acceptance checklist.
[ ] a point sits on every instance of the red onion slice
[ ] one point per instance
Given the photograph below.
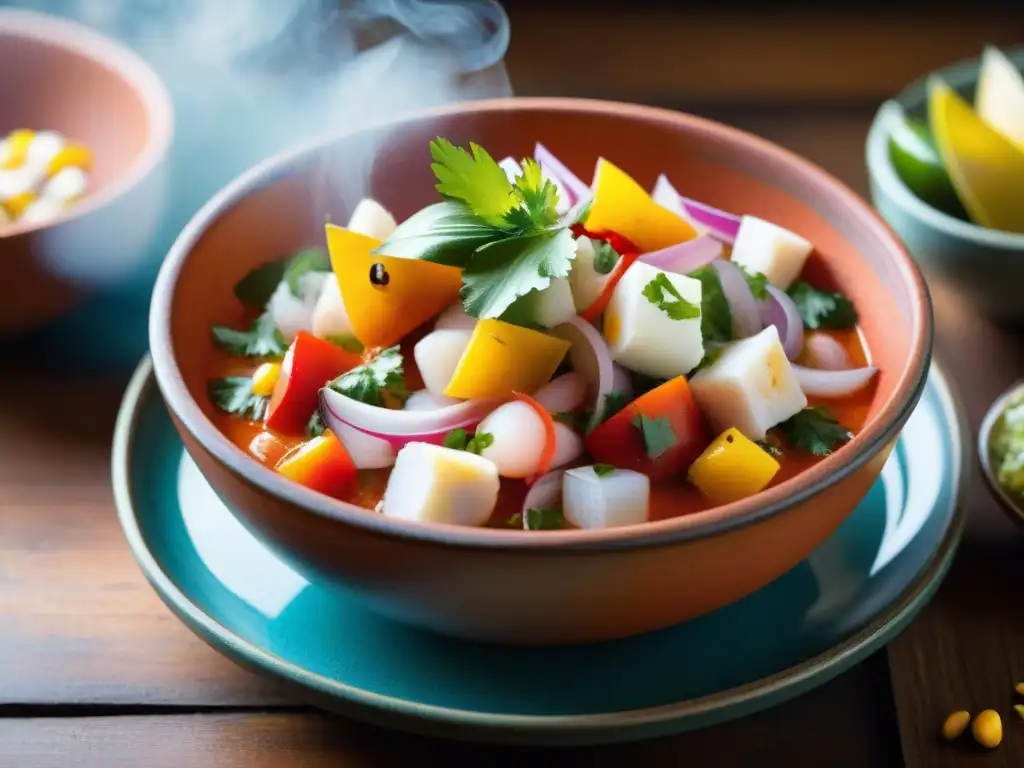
(824, 352)
(545, 493)
(746, 316)
(720, 224)
(577, 191)
(590, 356)
(684, 258)
(779, 310)
(831, 384)
(400, 427)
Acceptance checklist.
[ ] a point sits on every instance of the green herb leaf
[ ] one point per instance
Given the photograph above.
(456, 439)
(479, 442)
(502, 271)
(346, 341)
(770, 448)
(303, 262)
(614, 402)
(515, 521)
(605, 257)
(315, 426)
(675, 306)
(821, 309)
(603, 469)
(642, 383)
(584, 212)
(459, 440)
(544, 519)
(256, 288)
(261, 340)
(444, 233)
(537, 200)
(757, 281)
(233, 394)
(657, 433)
(367, 383)
(815, 430)
(475, 180)
(576, 421)
(715, 315)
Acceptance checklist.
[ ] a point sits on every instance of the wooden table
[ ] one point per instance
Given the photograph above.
(94, 671)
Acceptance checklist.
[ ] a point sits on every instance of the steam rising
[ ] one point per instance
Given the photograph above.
(252, 77)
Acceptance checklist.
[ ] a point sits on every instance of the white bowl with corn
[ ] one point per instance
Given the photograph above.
(41, 174)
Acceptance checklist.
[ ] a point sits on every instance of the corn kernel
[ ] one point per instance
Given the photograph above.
(956, 724)
(1019, 688)
(71, 156)
(988, 729)
(17, 148)
(732, 468)
(1019, 709)
(265, 379)
(16, 205)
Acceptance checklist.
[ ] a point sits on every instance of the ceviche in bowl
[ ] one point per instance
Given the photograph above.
(517, 381)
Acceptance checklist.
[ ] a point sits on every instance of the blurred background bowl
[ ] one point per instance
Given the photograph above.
(62, 76)
(986, 266)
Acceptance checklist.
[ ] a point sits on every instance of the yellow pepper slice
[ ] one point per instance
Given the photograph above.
(386, 297)
(264, 379)
(17, 148)
(732, 468)
(16, 205)
(623, 206)
(70, 156)
(502, 358)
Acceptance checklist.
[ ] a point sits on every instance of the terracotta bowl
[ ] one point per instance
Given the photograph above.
(63, 76)
(517, 586)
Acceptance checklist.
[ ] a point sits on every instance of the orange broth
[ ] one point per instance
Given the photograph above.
(669, 498)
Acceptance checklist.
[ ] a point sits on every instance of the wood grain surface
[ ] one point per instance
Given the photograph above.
(94, 671)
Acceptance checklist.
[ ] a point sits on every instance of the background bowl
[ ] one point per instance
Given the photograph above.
(62, 76)
(517, 586)
(985, 265)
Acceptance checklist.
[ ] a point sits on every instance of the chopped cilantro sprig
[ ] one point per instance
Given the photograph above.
(816, 431)
(369, 383)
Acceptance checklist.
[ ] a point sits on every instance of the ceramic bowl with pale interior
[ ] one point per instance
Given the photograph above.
(517, 586)
(62, 76)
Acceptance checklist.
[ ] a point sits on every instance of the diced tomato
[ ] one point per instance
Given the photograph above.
(309, 364)
(620, 440)
(321, 464)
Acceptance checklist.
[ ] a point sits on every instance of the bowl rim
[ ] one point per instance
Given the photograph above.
(984, 448)
(960, 74)
(880, 431)
(133, 69)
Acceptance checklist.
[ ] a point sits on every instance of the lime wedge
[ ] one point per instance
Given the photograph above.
(986, 168)
(917, 163)
(999, 98)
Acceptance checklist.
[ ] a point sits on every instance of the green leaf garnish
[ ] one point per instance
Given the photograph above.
(304, 262)
(256, 288)
(346, 341)
(233, 394)
(261, 340)
(475, 180)
(369, 382)
(715, 315)
(315, 426)
(657, 433)
(444, 233)
(614, 402)
(605, 257)
(584, 213)
(815, 430)
(459, 440)
(537, 200)
(770, 448)
(576, 421)
(456, 439)
(757, 281)
(544, 519)
(821, 309)
(603, 469)
(674, 305)
(501, 272)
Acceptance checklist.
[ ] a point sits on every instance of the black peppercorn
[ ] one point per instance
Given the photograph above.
(379, 275)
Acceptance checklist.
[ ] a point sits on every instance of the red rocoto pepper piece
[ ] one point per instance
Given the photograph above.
(321, 464)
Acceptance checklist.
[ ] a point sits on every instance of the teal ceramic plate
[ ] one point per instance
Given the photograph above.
(845, 601)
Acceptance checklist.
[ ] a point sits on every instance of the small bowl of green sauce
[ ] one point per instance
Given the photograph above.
(1001, 450)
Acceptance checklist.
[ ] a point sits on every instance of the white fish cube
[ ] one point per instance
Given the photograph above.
(644, 337)
(554, 305)
(620, 497)
(437, 356)
(587, 283)
(370, 218)
(330, 318)
(433, 484)
(751, 387)
(767, 248)
(293, 313)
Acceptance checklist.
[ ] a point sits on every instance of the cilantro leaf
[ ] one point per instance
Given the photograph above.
(603, 469)
(715, 315)
(368, 383)
(584, 212)
(303, 262)
(676, 307)
(502, 271)
(576, 421)
(657, 433)
(261, 340)
(537, 199)
(821, 309)
(475, 180)
(233, 394)
(614, 402)
(544, 519)
(256, 288)
(770, 448)
(605, 257)
(315, 426)
(346, 341)
(642, 383)
(757, 281)
(459, 440)
(444, 233)
(456, 439)
(815, 430)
